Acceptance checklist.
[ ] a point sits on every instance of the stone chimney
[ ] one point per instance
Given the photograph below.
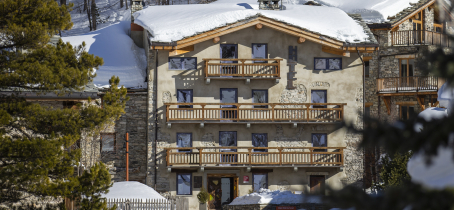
(269, 4)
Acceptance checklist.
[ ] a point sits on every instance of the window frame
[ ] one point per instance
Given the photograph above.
(190, 134)
(312, 141)
(326, 99)
(409, 116)
(192, 98)
(266, 94)
(190, 182)
(252, 136)
(182, 65)
(114, 142)
(253, 180)
(266, 52)
(327, 63)
(408, 66)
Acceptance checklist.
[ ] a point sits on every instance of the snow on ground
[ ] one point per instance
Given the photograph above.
(121, 56)
(109, 13)
(131, 189)
(188, 20)
(265, 196)
(439, 174)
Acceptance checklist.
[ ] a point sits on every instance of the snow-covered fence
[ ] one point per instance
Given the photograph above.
(142, 204)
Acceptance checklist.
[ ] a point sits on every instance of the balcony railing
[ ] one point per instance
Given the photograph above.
(227, 156)
(243, 68)
(407, 84)
(420, 38)
(245, 112)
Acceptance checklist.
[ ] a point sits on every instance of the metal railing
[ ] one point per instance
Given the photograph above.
(407, 38)
(408, 84)
(245, 112)
(254, 68)
(226, 156)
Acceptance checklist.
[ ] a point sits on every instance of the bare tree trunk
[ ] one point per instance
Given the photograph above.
(85, 5)
(88, 14)
(121, 4)
(127, 4)
(93, 14)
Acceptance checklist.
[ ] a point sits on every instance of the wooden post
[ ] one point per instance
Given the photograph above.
(311, 154)
(397, 84)
(167, 113)
(203, 113)
(307, 112)
(250, 155)
(242, 67)
(200, 156)
(206, 68)
(238, 112)
(127, 156)
(278, 68)
(272, 112)
(280, 156)
(167, 157)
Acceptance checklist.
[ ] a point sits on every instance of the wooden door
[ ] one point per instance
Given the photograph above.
(317, 184)
(214, 189)
(235, 187)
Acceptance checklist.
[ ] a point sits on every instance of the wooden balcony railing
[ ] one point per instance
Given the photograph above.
(245, 112)
(407, 84)
(225, 156)
(420, 38)
(253, 68)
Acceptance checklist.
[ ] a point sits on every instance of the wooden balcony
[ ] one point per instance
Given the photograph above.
(407, 38)
(246, 113)
(407, 84)
(246, 156)
(242, 68)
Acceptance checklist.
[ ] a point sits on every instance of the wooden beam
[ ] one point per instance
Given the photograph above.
(387, 100)
(420, 99)
(368, 104)
(181, 51)
(408, 93)
(335, 51)
(301, 40)
(412, 14)
(258, 26)
(216, 39)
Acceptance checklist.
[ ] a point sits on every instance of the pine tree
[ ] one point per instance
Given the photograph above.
(394, 170)
(33, 161)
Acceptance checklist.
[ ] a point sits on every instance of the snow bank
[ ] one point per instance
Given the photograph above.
(265, 196)
(121, 56)
(175, 22)
(131, 189)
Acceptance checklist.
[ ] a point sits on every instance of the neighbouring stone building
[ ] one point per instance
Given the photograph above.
(396, 86)
(252, 102)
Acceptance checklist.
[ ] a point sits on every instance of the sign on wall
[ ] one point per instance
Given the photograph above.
(245, 179)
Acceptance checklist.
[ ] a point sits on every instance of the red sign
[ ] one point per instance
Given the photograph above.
(286, 208)
(245, 179)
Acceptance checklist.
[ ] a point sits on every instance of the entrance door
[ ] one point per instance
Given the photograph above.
(229, 51)
(222, 189)
(215, 191)
(317, 184)
(229, 95)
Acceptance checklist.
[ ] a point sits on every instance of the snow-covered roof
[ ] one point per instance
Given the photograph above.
(265, 196)
(176, 22)
(130, 190)
(121, 56)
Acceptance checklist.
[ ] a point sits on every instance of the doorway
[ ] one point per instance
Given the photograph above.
(229, 51)
(317, 184)
(223, 188)
(230, 96)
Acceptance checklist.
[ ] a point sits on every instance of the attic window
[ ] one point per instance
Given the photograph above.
(177, 63)
(327, 63)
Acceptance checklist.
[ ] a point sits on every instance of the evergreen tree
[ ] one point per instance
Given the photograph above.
(394, 170)
(33, 161)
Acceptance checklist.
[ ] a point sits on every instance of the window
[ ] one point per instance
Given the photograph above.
(260, 181)
(260, 96)
(366, 68)
(260, 140)
(184, 140)
(108, 142)
(367, 112)
(259, 51)
(319, 140)
(184, 184)
(407, 67)
(184, 96)
(177, 63)
(407, 112)
(318, 96)
(327, 63)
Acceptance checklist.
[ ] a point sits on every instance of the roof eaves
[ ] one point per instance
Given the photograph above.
(408, 11)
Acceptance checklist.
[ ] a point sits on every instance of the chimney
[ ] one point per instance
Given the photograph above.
(136, 5)
(269, 4)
